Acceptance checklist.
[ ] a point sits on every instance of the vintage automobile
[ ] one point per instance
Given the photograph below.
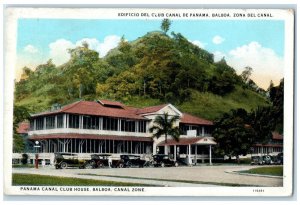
(163, 160)
(262, 160)
(257, 160)
(267, 159)
(132, 161)
(278, 159)
(102, 160)
(65, 160)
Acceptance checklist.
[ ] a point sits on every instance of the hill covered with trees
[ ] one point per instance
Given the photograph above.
(153, 69)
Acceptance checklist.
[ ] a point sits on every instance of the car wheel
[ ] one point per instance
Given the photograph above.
(89, 165)
(129, 165)
(121, 165)
(162, 164)
(100, 165)
(63, 165)
(176, 164)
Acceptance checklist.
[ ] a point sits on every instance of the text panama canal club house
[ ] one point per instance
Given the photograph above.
(104, 126)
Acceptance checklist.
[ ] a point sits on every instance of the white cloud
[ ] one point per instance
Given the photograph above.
(30, 49)
(109, 43)
(92, 42)
(266, 64)
(199, 43)
(59, 51)
(218, 55)
(218, 40)
(102, 48)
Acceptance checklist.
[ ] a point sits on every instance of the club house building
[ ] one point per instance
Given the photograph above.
(103, 126)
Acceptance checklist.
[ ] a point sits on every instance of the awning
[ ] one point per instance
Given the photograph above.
(187, 141)
(89, 136)
(268, 145)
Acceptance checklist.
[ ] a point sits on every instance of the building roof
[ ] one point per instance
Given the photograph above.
(190, 119)
(277, 136)
(90, 136)
(95, 108)
(150, 109)
(111, 103)
(268, 145)
(116, 109)
(187, 141)
(23, 128)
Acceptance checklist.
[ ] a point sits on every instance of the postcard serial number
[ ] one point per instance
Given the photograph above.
(258, 190)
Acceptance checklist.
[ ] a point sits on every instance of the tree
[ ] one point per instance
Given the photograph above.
(263, 123)
(165, 25)
(20, 114)
(276, 96)
(163, 125)
(246, 74)
(234, 133)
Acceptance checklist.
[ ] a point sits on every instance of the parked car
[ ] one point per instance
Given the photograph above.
(268, 160)
(257, 160)
(278, 159)
(163, 160)
(98, 161)
(132, 161)
(65, 160)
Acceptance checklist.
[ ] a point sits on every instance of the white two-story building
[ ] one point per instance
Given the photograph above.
(103, 126)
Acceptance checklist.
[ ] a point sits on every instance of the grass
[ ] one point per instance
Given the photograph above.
(273, 171)
(23, 166)
(42, 180)
(210, 106)
(175, 180)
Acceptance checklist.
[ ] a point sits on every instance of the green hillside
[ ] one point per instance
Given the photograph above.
(155, 68)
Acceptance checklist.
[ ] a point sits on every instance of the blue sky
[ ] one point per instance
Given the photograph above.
(257, 43)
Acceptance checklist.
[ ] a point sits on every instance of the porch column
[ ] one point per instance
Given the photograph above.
(196, 154)
(166, 147)
(189, 155)
(210, 155)
(175, 152)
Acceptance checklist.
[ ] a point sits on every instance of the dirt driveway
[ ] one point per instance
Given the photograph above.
(168, 176)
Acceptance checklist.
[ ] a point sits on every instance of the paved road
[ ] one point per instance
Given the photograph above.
(200, 175)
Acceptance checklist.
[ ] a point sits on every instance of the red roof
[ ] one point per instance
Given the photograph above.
(277, 136)
(95, 108)
(23, 128)
(182, 141)
(111, 103)
(151, 109)
(190, 119)
(89, 136)
(118, 110)
(268, 145)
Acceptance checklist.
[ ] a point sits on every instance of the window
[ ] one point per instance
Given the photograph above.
(50, 122)
(39, 123)
(142, 126)
(110, 123)
(60, 121)
(32, 124)
(128, 126)
(73, 121)
(207, 130)
(183, 129)
(90, 122)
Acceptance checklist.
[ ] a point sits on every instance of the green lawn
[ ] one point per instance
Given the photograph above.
(274, 171)
(23, 166)
(42, 180)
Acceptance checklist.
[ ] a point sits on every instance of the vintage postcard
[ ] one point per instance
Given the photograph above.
(149, 102)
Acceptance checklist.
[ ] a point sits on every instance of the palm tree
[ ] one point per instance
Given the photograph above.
(164, 125)
(165, 25)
